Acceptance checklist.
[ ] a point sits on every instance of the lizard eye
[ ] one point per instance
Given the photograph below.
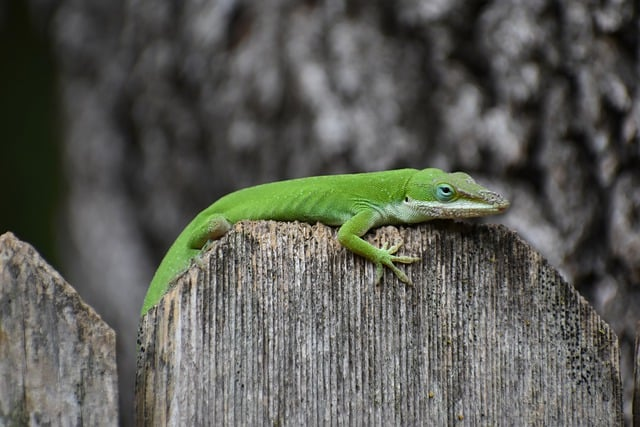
(445, 192)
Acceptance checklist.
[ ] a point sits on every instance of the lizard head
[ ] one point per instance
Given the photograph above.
(433, 193)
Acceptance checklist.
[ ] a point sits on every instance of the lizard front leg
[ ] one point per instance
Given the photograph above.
(349, 235)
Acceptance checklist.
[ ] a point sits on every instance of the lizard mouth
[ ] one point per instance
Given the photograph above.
(495, 199)
(499, 203)
(466, 205)
(485, 202)
(476, 205)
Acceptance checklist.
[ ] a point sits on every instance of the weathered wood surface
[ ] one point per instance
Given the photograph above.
(278, 325)
(57, 357)
(636, 379)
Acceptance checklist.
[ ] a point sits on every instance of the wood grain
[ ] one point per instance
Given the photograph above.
(57, 357)
(279, 325)
(636, 379)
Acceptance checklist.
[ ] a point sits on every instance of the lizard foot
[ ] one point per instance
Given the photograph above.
(388, 260)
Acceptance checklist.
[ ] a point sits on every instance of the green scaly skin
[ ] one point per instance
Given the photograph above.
(355, 202)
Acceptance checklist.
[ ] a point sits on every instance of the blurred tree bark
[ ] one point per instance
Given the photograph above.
(168, 105)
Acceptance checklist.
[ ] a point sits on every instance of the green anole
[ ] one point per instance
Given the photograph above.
(355, 202)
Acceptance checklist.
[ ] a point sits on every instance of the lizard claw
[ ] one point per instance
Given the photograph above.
(388, 260)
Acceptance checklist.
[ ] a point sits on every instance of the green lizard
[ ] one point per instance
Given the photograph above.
(355, 202)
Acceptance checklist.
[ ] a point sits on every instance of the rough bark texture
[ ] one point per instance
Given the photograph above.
(279, 325)
(170, 104)
(57, 357)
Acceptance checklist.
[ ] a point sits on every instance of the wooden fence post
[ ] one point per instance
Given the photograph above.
(57, 357)
(279, 325)
(635, 406)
